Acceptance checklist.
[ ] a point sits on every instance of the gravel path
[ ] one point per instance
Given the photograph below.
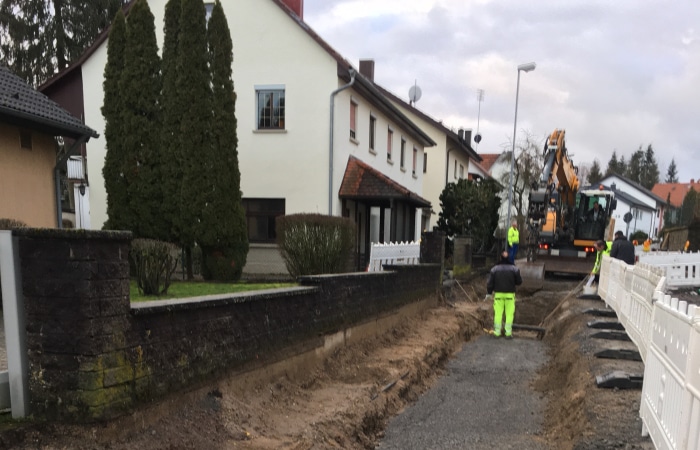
(483, 402)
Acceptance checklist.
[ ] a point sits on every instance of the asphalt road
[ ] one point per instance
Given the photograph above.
(482, 402)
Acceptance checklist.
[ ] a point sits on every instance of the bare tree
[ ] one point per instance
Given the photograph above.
(529, 162)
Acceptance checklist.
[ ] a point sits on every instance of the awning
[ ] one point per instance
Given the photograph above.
(362, 182)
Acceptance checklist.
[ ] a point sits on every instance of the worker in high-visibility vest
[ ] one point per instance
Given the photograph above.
(647, 245)
(503, 278)
(685, 248)
(602, 248)
(513, 241)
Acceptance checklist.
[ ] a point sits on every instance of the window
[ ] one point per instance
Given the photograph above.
(353, 119)
(270, 108)
(260, 215)
(455, 169)
(403, 154)
(461, 171)
(372, 131)
(25, 140)
(389, 143)
(415, 161)
(425, 162)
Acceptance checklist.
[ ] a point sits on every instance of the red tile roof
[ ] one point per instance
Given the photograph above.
(362, 182)
(488, 159)
(677, 191)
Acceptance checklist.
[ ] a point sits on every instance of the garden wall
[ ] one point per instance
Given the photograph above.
(93, 355)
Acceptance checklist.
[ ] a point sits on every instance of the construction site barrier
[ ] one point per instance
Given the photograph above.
(666, 331)
(393, 253)
(681, 269)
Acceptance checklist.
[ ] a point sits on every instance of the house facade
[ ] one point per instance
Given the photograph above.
(674, 194)
(31, 160)
(645, 207)
(305, 118)
(451, 158)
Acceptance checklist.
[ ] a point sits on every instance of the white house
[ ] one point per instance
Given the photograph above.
(644, 206)
(324, 150)
(451, 158)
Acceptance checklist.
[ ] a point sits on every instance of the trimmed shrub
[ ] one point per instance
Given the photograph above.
(639, 236)
(10, 224)
(315, 244)
(154, 263)
(223, 264)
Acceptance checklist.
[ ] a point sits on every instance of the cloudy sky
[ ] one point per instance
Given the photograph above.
(615, 74)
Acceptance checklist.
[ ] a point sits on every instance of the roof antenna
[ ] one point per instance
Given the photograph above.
(480, 98)
(414, 93)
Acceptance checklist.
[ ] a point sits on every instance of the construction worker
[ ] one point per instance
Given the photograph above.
(513, 241)
(622, 249)
(503, 278)
(647, 245)
(602, 248)
(687, 244)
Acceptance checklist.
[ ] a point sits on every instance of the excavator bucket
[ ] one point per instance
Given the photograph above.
(532, 274)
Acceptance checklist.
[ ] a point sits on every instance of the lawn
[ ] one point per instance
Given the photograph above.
(183, 289)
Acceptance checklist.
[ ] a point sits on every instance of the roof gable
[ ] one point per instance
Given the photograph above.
(675, 191)
(21, 105)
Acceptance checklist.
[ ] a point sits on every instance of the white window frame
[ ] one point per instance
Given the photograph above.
(403, 153)
(353, 119)
(389, 143)
(372, 133)
(271, 88)
(414, 169)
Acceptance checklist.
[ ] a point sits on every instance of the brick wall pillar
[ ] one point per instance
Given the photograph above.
(432, 247)
(76, 293)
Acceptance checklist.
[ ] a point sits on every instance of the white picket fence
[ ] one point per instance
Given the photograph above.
(667, 333)
(393, 253)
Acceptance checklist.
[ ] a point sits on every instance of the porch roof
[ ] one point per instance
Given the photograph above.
(363, 182)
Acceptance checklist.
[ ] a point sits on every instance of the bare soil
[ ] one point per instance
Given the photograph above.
(347, 402)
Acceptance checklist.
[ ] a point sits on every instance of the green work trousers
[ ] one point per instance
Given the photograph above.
(503, 301)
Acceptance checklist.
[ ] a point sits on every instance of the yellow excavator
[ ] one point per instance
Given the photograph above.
(563, 221)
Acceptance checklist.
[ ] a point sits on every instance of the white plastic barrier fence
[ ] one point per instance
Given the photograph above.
(670, 407)
(680, 269)
(393, 253)
(667, 333)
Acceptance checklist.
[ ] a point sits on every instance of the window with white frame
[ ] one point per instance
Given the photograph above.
(414, 167)
(389, 143)
(455, 175)
(403, 153)
(425, 162)
(353, 119)
(270, 107)
(372, 131)
(461, 171)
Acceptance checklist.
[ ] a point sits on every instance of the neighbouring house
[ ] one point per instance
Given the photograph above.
(673, 195)
(450, 160)
(498, 167)
(645, 206)
(323, 149)
(32, 159)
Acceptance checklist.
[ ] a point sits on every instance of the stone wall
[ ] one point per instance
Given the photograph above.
(93, 355)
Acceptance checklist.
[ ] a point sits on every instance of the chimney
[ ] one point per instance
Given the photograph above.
(460, 133)
(467, 137)
(297, 6)
(692, 181)
(613, 186)
(367, 69)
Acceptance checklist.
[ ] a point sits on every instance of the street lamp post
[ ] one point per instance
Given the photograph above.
(528, 67)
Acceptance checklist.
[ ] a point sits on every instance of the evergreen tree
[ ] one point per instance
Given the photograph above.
(170, 137)
(650, 169)
(594, 175)
(224, 236)
(194, 98)
(634, 169)
(613, 165)
(113, 170)
(41, 37)
(621, 166)
(672, 173)
(140, 86)
(669, 213)
(689, 207)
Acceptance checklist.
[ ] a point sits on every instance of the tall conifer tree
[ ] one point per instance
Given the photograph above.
(113, 170)
(195, 106)
(224, 235)
(170, 136)
(672, 172)
(650, 169)
(594, 175)
(140, 86)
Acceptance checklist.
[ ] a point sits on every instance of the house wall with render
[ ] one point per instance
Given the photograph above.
(27, 183)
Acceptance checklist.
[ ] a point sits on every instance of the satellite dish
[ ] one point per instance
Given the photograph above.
(414, 94)
(477, 138)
